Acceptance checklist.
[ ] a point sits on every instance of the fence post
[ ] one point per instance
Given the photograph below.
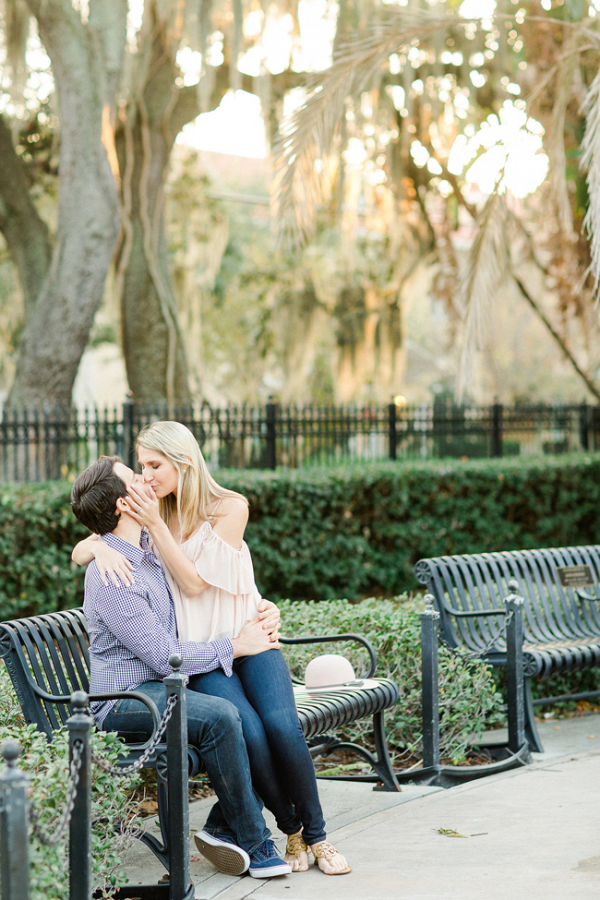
(584, 426)
(429, 685)
(392, 429)
(515, 688)
(14, 854)
(496, 442)
(177, 784)
(271, 455)
(80, 826)
(128, 435)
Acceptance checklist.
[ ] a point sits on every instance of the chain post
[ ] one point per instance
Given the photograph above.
(514, 668)
(177, 783)
(14, 851)
(429, 685)
(80, 826)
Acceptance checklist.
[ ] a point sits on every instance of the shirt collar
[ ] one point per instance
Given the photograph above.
(130, 551)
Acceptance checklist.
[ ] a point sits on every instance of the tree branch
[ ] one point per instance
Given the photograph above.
(561, 343)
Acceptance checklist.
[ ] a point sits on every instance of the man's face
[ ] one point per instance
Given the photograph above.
(126, 474)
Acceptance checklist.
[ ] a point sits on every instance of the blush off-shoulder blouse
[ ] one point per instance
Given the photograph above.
(231, 598)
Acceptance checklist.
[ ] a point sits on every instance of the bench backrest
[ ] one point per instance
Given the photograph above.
(50, 651)
(480, 581)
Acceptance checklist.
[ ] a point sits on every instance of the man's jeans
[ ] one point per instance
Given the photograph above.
(214, 727)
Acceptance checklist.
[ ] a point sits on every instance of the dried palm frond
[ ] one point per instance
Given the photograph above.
(555, 142)
(310, 134)
(16, 15)
(590, 161)
(488, 265)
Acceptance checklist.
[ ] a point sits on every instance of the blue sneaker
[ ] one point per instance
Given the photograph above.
(226, 856)
(265, 862)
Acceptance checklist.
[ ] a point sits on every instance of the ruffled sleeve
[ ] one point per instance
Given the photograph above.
(220, 564)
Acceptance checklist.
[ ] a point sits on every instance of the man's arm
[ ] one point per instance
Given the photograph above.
(129, 616)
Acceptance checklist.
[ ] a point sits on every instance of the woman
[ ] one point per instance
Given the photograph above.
(197, 532)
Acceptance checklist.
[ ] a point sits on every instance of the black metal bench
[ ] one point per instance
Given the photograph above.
(561, 624)
(47, 659)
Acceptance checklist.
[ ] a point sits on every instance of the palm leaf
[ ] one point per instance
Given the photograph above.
(488, 265)
(590, 161)
(310, 134)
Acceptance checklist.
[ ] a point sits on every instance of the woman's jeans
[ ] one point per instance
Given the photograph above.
(282, 768)
(214, 727)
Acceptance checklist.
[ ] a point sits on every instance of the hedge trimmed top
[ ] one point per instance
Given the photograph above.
(321, 533)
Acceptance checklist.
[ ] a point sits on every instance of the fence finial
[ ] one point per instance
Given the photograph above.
(10, 751)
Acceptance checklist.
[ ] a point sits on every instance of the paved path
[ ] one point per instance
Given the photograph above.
(531, 834)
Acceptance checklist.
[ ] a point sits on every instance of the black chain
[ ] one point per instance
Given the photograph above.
(469, 655)
(74, 770)
(141, 762)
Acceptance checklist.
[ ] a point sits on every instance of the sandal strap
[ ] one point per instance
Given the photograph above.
(324, 850)
(296, 845)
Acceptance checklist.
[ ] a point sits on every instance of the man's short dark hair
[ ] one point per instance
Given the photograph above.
(95, 493)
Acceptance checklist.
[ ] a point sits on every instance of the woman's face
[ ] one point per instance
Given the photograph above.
(158, 472)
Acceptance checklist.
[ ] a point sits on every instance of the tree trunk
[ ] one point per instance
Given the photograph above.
(26, 234)
(84, 57)
(152, 342)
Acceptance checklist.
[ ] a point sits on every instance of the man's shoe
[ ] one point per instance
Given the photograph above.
(227, 857)
(265, 862)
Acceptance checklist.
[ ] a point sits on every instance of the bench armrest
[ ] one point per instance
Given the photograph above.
(474, 612)
(584, 596)
(326, 639)
(117, 695)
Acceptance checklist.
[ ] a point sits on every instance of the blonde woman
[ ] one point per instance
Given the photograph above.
(197, 532)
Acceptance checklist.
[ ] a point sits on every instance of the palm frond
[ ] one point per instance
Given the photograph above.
(488, 265)
(590, 161)
(16, 31)
(311, 132)
(555, 143)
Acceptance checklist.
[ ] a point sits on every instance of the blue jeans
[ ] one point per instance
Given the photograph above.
(214, 727)
(282, 768)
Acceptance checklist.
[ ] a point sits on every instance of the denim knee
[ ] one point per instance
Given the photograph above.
(213, 715)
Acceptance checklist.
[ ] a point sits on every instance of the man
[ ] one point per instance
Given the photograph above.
(132, 634)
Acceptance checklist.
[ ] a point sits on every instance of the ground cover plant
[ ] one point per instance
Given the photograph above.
(47, 767)
(469, 698)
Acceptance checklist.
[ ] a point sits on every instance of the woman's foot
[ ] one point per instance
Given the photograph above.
(296, 853)
(329, 860)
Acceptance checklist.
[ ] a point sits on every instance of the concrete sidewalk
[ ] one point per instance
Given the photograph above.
(529, 833)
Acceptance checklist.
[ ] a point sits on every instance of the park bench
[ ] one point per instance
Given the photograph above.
(561, 616)
(47, 659)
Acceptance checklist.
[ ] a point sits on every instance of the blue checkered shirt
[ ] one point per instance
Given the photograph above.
(133, 630)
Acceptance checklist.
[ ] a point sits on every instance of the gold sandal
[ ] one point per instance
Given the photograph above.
(324, 850)
(295, 848)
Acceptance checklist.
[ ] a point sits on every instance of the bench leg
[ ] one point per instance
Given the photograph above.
(531, 732)
(381, 764)
(384, 764)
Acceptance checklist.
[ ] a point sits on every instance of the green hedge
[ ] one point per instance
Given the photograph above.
(347, 532)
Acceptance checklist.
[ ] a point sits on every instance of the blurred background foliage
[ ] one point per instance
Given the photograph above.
(443, 210)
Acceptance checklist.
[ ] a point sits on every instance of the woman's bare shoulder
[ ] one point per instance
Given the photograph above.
(233, 506)
(231, 520)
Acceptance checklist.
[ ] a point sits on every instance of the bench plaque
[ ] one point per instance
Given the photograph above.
(575, 576)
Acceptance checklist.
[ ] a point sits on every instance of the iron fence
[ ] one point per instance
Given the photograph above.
(56, 443)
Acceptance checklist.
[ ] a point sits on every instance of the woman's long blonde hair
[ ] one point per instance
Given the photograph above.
(196, 488)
